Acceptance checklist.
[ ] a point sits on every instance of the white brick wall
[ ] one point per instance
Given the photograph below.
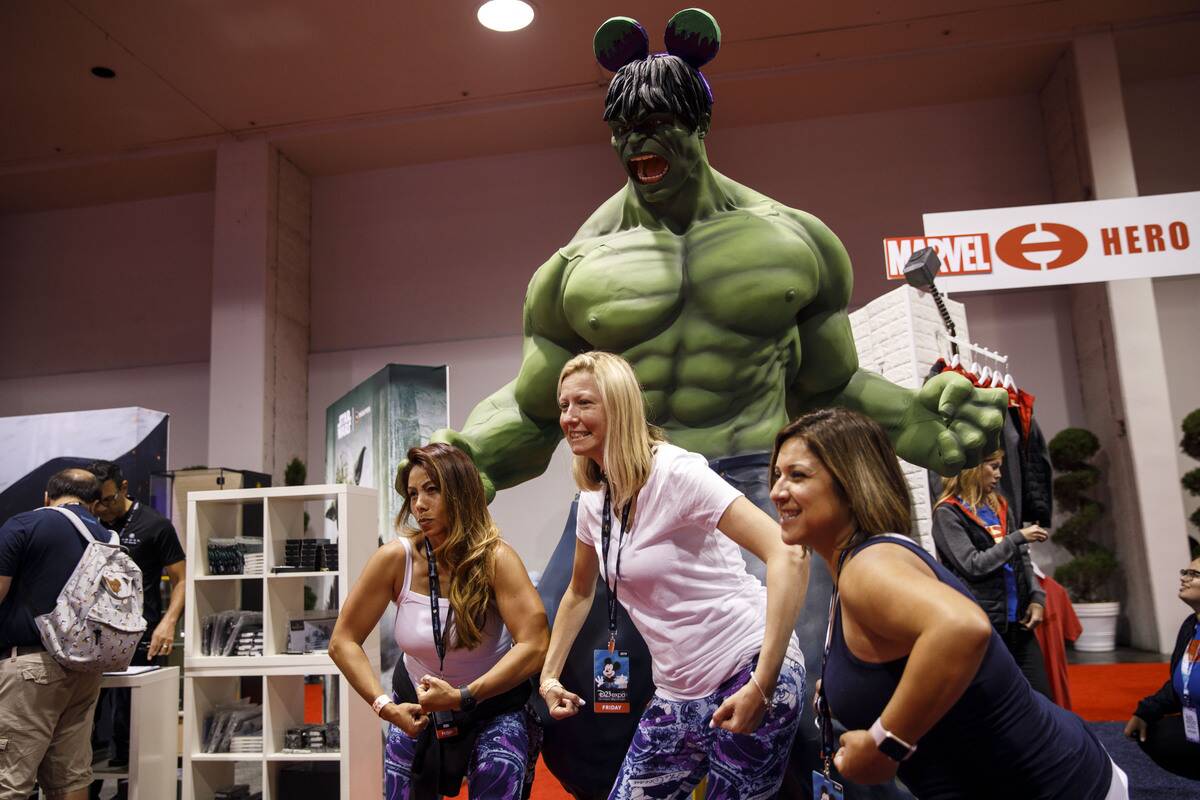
(896, 336)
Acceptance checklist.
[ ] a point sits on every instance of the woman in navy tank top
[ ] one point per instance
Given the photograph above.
(913, 669)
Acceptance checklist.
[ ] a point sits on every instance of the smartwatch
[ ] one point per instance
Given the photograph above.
(890, 744)
(465, 701)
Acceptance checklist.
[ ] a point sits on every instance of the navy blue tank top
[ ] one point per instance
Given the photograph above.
(1000, 740)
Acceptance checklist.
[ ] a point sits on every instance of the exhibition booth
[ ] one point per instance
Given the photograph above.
(1014, 269)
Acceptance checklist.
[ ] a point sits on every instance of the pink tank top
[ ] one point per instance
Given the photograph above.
(414, 635)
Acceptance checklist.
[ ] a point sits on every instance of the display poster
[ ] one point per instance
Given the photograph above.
(368, 431)
(1060, 243)
(36, 446)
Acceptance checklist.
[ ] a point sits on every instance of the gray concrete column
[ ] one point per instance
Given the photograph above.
(258, 375)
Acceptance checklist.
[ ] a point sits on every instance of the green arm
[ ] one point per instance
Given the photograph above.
(511, 435)
(946, 425)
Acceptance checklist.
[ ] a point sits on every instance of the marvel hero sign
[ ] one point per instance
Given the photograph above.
(1062, 243)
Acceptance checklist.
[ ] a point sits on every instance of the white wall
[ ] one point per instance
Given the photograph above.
(530, 516)
(445, 251)
(108, 287)
(180, 390)
(1033, 328)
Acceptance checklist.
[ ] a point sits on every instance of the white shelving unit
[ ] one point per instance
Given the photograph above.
(210, 681)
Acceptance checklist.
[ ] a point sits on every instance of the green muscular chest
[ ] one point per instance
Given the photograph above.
(736, 272)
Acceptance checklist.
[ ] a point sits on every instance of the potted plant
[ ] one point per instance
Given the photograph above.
(1190, 444)
(1088, 576)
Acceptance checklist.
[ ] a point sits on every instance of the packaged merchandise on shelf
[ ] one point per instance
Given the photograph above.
(240, 721)
(310, 555)
(306, 739)
(242, 555)
(311, 633)
(232, 633)
(238, 791)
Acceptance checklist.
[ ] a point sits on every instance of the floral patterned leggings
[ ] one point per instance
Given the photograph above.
(673, 747)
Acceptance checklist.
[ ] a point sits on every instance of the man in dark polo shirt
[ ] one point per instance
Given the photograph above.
(152, 542)
(45, 711)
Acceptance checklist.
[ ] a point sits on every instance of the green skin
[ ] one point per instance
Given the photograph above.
(732, 310)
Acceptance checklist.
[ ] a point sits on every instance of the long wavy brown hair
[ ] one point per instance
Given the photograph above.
(470, 547)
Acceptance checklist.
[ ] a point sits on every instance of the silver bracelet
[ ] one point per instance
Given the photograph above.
(547, 685)
(757, 685)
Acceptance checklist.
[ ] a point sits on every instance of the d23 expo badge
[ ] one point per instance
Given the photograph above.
(611, 671)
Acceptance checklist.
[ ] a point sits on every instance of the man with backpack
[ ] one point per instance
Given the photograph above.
(46, 710)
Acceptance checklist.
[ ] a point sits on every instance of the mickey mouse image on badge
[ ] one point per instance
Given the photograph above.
(612, 682)
(826, 788)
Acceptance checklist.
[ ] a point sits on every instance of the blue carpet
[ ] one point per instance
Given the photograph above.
(1147, 780)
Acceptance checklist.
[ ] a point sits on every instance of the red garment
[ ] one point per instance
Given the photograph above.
(1059, 627)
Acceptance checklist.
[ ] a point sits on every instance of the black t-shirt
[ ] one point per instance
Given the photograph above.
(152, 542)
(39, 550)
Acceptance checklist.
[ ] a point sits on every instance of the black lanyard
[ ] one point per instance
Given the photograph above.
(128, 520)
(824, 718)
(605, 536)
(439, 639)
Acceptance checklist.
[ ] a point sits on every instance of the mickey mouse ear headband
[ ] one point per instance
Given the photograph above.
(692, 35)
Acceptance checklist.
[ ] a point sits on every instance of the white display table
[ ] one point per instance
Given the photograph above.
(153, 731)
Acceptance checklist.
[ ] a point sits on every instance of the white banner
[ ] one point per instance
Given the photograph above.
(1060, 243)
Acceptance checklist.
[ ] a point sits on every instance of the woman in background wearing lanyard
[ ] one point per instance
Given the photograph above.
(472, 628)
(1174, 741)
(976, 539)
(728, 672)
(912, 666)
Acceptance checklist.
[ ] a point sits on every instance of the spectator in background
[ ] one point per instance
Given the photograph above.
(1160, 722)
(154, 545)
(45, 711)
(977, 540)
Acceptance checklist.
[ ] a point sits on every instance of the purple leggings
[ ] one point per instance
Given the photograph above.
(673, 747)
(501, 765)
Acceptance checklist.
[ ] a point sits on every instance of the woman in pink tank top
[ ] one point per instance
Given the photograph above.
(473, 630)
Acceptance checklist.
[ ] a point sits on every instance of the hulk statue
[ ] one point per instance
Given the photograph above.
(730, 306)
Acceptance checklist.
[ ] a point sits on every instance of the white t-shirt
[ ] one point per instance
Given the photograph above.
(683, 582)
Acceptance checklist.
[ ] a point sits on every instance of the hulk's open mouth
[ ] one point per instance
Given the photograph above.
(648, 168)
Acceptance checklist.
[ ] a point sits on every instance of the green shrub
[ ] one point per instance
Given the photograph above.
(1088, 575)
(295, 473)
(1191, 434)
(1072, 448)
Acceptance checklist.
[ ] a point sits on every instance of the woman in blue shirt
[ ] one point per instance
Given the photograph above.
(1163, 735)
(977, 541)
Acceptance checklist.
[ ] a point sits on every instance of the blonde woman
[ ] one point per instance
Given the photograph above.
(976, 539)
(664, 531)
(472, 628)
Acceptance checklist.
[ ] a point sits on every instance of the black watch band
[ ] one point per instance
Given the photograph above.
(466, 700)
(890, 744)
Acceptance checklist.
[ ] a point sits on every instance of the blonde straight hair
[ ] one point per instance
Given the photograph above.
(470, 546)
(968, 484)
(629, 442)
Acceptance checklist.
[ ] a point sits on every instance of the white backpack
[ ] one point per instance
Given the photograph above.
(97, 622)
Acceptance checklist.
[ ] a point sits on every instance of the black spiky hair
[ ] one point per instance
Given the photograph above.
(660, 84)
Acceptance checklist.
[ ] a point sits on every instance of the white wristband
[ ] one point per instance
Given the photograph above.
(379, 703)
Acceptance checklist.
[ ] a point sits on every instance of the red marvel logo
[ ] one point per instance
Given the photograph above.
(1066, 242)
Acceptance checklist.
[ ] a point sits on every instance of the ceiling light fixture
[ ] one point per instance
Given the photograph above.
(505, 15)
